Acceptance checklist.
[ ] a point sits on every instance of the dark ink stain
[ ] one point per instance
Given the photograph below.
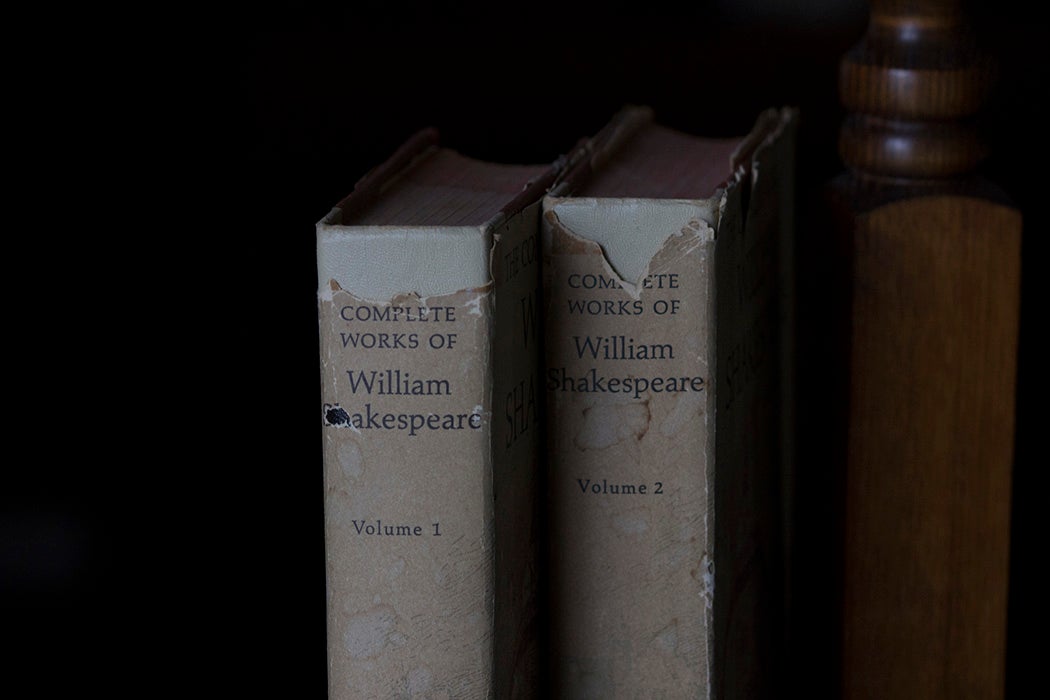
(336, 415)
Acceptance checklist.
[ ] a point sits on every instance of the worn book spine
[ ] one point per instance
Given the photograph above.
(628, 378)
(662, 377)
(753, 419)
(430, 425)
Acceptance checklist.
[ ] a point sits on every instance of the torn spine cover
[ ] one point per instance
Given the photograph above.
(662, 376)
(429, 369)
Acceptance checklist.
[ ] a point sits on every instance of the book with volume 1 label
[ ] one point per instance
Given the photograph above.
(428, 276)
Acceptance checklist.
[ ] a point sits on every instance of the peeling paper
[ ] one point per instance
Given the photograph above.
(390, 476)
(630, 232)
(605, 446)
(380, 262)
(436, 570)
(475, 295)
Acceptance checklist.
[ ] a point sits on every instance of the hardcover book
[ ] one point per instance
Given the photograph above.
(665, 259)
(428, 275)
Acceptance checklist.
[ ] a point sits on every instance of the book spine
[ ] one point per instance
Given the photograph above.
(426, 424)
(517, 431)
(407, 515)
(748, 608)
(630, 439)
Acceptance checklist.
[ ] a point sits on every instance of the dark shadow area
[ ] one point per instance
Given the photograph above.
(327, 95)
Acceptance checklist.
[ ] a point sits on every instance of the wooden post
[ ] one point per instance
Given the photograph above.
(928, 291)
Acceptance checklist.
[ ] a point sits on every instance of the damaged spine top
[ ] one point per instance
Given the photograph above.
(422, 222)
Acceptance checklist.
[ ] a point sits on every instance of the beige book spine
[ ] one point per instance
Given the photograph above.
(429, 470)
(666, 366)
(628, 380)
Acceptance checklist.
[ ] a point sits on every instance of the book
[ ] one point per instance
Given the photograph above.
(428, 281)
(663, 304)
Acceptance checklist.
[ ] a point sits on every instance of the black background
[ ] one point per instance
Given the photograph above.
(213, 565)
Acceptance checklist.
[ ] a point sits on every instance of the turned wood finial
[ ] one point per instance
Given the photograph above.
(912, 86)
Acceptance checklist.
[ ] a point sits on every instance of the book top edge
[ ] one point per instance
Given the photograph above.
(634, 157)
(427, 185)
